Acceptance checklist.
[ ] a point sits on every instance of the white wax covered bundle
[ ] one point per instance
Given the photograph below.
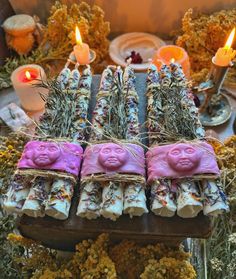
(16, 195)
(112, 201)
(90, 200)
(163, 202)
(135, 200)
(35, 202)
(59, 201)
(188, 199)
(214, 198)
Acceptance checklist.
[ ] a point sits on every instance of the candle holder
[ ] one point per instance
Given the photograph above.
(215, 108)
(92, 57)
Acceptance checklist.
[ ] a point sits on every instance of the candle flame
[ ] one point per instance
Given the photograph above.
(230, 40)
(28, 75)
(172, 60)
(78, 36)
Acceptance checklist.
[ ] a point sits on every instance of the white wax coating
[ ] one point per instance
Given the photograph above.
(164, 206)
(63, 77)
(59, 202)
(73, 81)
(34, 206)
(15, 200)
(213, 201)
(112, 201)
(90, 200)
(188, 202)
(135, 200)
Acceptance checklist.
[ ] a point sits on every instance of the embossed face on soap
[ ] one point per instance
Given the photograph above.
(183, 157)
(45, 154)
(112, 156)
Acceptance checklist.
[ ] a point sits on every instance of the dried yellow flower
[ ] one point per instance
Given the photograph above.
(202, 35)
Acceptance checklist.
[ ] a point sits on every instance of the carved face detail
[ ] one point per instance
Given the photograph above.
(183, 157)
(46, 154)
(112, 156)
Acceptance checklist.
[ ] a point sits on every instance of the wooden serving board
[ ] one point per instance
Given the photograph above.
(146, 229)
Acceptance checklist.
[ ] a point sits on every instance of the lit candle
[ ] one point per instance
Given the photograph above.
(24, 80)
(224, 55)
(166, 54)
(81, 50)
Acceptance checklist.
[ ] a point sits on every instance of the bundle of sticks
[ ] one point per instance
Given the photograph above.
(48, 169)
(173, 118)
(114, 186)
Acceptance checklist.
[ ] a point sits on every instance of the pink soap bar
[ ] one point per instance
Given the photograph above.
(110, 158)
(48, 155)
(181, 160)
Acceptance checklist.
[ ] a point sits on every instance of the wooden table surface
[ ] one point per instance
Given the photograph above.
(148, 228)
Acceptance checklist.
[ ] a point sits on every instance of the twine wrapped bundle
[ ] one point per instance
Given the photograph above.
(173, 117)
(115, 120)
(49, 191)
(213, 197)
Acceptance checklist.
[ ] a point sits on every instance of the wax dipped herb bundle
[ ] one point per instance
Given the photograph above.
(58, 38)
(47, 171)
(110, 184)
(173, 117)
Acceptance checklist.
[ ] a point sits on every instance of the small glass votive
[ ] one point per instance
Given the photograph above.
(25, 80)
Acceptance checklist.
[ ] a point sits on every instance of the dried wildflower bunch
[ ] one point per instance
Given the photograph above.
(222, 244)
(10, 151)
(11, 148)
(202, 36)
(96, 259)
(59, 32)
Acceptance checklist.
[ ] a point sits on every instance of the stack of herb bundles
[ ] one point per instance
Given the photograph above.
(182, 168)
(48, 169)
(113, 172)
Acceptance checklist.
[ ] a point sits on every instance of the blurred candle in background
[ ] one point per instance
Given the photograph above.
(81, 50)
(24, 80)
(225, 55)
(175, 53)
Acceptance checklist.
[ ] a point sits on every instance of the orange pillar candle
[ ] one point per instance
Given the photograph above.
(225, 55)
(166, 53)
(25, 80)
(81, 50)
